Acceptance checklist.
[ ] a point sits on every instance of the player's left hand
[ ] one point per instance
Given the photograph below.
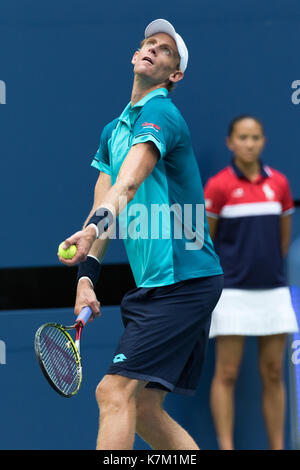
(83, 241)
(86, 296)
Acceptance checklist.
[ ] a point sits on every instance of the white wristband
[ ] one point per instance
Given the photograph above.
(85, 277)
(96, 228)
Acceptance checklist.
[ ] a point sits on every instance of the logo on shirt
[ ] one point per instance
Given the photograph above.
(208, 203)
(119, 358)
(269, 193)
(150, 125)
(238, 192)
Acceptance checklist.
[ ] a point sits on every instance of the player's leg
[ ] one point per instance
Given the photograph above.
(116, 397)
(156, 427)
(229, 351)
(271, 355)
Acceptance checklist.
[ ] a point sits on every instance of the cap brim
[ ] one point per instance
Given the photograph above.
(160, 26)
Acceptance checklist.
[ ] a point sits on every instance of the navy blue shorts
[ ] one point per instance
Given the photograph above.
(166, 333)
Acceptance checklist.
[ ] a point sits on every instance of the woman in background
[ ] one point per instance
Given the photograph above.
(249, 208)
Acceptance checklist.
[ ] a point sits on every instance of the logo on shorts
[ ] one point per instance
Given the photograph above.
(119, 358)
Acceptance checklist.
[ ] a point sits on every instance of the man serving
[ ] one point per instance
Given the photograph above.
(146, 158)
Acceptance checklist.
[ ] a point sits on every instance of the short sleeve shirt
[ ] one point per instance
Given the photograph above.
(247, 239)
(165, 241)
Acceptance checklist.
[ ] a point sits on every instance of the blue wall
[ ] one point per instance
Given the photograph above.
(33, 416)
(67, 70)
(66, 67)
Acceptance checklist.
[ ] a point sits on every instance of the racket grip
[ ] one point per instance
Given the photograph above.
(84, 315)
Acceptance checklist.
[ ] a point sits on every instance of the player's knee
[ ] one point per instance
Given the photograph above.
(101, 393)
(111, 394)
(108, 397)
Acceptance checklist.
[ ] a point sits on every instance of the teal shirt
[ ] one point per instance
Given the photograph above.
(164, 228)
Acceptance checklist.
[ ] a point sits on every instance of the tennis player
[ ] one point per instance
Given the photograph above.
(249, 207)
(146, 158)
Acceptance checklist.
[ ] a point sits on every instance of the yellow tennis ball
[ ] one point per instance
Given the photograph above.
(67, 254)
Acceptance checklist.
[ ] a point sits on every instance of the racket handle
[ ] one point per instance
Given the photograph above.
(84, 315)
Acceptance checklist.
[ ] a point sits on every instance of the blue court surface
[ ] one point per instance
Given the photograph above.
(33, 416)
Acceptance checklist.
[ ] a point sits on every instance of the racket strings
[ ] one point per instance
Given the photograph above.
(59, 359)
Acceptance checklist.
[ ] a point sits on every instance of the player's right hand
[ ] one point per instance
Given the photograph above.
(83, 241)
(86, 297)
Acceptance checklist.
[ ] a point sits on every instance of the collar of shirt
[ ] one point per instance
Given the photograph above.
(130, 111)
(263, 172)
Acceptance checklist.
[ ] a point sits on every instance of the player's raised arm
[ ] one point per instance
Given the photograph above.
(136, 167)
(102, 186)
(99, 248)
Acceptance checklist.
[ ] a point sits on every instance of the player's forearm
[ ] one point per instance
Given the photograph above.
(89, 271)
(89, 216)
(119, 195)
(102, 222)
(136, 167)
(102, 187)
(99, 248)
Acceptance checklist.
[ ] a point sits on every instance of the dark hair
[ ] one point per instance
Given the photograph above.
(240, 118)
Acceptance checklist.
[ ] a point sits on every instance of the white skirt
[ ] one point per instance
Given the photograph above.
(253, 313)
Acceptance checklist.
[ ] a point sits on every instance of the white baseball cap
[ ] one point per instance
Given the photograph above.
(163, 26)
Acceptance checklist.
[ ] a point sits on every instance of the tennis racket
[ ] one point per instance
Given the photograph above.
(59, 356)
